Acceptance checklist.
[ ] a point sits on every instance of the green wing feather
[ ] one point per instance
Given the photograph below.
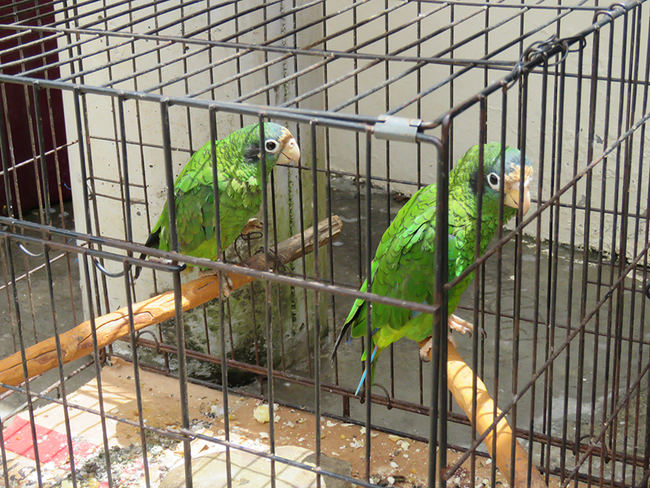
(402, 268)
(195, 215)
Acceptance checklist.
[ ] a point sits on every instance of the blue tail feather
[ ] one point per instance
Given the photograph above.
(365, 371)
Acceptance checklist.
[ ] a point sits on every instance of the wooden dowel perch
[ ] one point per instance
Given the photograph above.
(459, 382)
(77, 342)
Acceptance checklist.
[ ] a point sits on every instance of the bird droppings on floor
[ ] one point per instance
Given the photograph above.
(395, 461)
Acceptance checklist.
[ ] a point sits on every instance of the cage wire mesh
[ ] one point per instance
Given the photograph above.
(103, 103)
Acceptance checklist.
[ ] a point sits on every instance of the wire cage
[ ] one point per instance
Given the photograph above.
(103, 103)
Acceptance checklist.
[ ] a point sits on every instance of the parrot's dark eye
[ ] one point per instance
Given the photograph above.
(493, 180)
(271, 145)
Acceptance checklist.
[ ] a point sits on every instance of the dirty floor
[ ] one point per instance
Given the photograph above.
(395, 461)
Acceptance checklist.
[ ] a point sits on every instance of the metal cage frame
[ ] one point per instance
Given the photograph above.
(545, 60)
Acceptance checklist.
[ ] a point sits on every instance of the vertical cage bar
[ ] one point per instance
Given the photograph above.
(482, 139)
(368, 346)
(27, 390)
(538, 248)
(523, 132)
(5, 164)
(222, 317)
(125, 172)
(572, 245)
(46, 215)
(3, 450)
(87, 283)
(178, 303)
(499, 272)
(593, 99)
(268, 323)
(317, 345)
(438, 426)
(57, 340)
(136, 369)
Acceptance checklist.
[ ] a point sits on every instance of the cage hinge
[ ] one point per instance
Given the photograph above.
(397, 128)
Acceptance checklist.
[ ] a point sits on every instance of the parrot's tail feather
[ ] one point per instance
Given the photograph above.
(344, 331)
(365, 371)
(152, 241)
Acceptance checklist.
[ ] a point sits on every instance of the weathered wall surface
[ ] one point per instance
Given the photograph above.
(556, 127)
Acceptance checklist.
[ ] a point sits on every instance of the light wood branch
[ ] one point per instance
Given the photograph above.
(77, 342)
(459, 382)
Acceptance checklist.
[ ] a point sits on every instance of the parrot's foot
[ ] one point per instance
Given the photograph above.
(426, 347)
(225, 284)
(251, 231)
(253, 225)
(273, 260)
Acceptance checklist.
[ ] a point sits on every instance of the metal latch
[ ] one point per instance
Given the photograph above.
(397, 128)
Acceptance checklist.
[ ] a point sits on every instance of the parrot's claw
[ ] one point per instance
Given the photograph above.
(253, 225)
(273, 261)
(426, 347)
(225, 286)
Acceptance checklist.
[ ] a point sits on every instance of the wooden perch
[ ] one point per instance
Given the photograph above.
(77, 342)
(459, 382)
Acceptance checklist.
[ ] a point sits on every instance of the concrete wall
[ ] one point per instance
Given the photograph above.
(189, 127)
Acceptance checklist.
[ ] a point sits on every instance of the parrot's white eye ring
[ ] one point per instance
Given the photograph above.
(493, 180)
(271, 145)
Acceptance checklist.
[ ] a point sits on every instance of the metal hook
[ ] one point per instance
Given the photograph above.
(235, 247)
(539, 50)
(389, 405)
(140, 333)
(609, 10)
(246, 238)
(101, 268)
(593, 441)
(252, 235)
(362, 395)
(29, 253)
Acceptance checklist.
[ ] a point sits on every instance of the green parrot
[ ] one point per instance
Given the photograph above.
(239, 173)
(403, 266)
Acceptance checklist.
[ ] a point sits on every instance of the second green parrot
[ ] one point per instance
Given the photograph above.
(403, 266)
(239, 174)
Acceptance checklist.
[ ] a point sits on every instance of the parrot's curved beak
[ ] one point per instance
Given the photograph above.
(290, 151)
(512, 186)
